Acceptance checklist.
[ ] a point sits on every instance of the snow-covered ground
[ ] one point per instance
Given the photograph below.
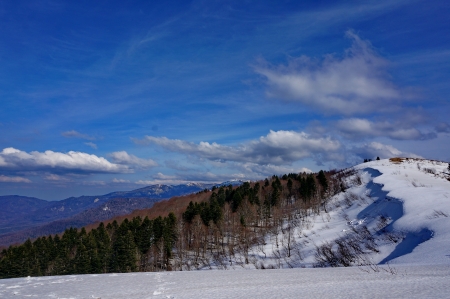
(424, 191)
(405, 206)
(413, 199)
(409, 282)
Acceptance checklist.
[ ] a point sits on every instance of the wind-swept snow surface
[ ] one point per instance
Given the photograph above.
(409, 282)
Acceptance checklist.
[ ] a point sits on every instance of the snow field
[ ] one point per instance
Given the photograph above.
(409, 282)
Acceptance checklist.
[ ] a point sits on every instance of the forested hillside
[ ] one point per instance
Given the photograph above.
(221, 228)
(370, 214)
(25, 217)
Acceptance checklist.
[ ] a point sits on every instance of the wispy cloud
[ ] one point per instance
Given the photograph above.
(199, 177)
(91, 144)
(442, 127)
(177, 165)
(355, 83)
(14, 179)
(124, 158)
(253, 170)
(94, 183)
(75, 134)
(358, 128)
(277, 147)
(120, 181)
(145, 182)
(56, 178)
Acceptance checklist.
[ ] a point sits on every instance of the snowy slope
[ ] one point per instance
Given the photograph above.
(423, 189)
(401, 209)
(413, 199)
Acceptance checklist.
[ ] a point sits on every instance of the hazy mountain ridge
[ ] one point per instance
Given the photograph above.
(29, 217)
(111, 208)
(15, 209)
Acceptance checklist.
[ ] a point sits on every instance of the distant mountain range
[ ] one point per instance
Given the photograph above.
(29, 217)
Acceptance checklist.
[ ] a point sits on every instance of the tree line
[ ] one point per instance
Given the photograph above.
(217, 233)
(136, 245)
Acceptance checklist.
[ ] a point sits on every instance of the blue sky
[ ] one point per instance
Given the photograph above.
(115, 95)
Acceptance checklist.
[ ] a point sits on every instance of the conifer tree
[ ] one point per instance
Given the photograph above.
(275, 196)
(322, 180)
(237, 200)
(169, 235)
(289, 186)
(123, 256)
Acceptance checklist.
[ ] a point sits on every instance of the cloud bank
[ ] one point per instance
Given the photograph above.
(71, 162)
(356, 83)
(277, 148)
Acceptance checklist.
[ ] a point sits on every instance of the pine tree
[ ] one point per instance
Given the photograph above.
(123, 257)
(169, 235)
(221, 196)
(103, 248)
(322, 180)
(275, 196)
(289, 186)
(215, 211)
(237, 200)
(81, 262)
(256, 194)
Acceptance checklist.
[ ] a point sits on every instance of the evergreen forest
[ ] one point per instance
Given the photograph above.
(213, 233)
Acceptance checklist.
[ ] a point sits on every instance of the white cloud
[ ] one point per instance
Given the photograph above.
(375, 149)
(198, 177)
(75, 134)
(144, 182)
(56, 178)
(161, 176)
(356, 83)
(91, 144)
(355, 128)
(253, 170)
(277, 148)
(94, 183)
(71, 162)
(120, 181)
(15, 179)
(124, 158)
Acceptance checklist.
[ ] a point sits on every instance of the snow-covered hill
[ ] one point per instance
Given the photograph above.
(398, 212)
(424, 191)
(392, 224)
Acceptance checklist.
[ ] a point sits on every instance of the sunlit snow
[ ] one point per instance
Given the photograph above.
(411, 199)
